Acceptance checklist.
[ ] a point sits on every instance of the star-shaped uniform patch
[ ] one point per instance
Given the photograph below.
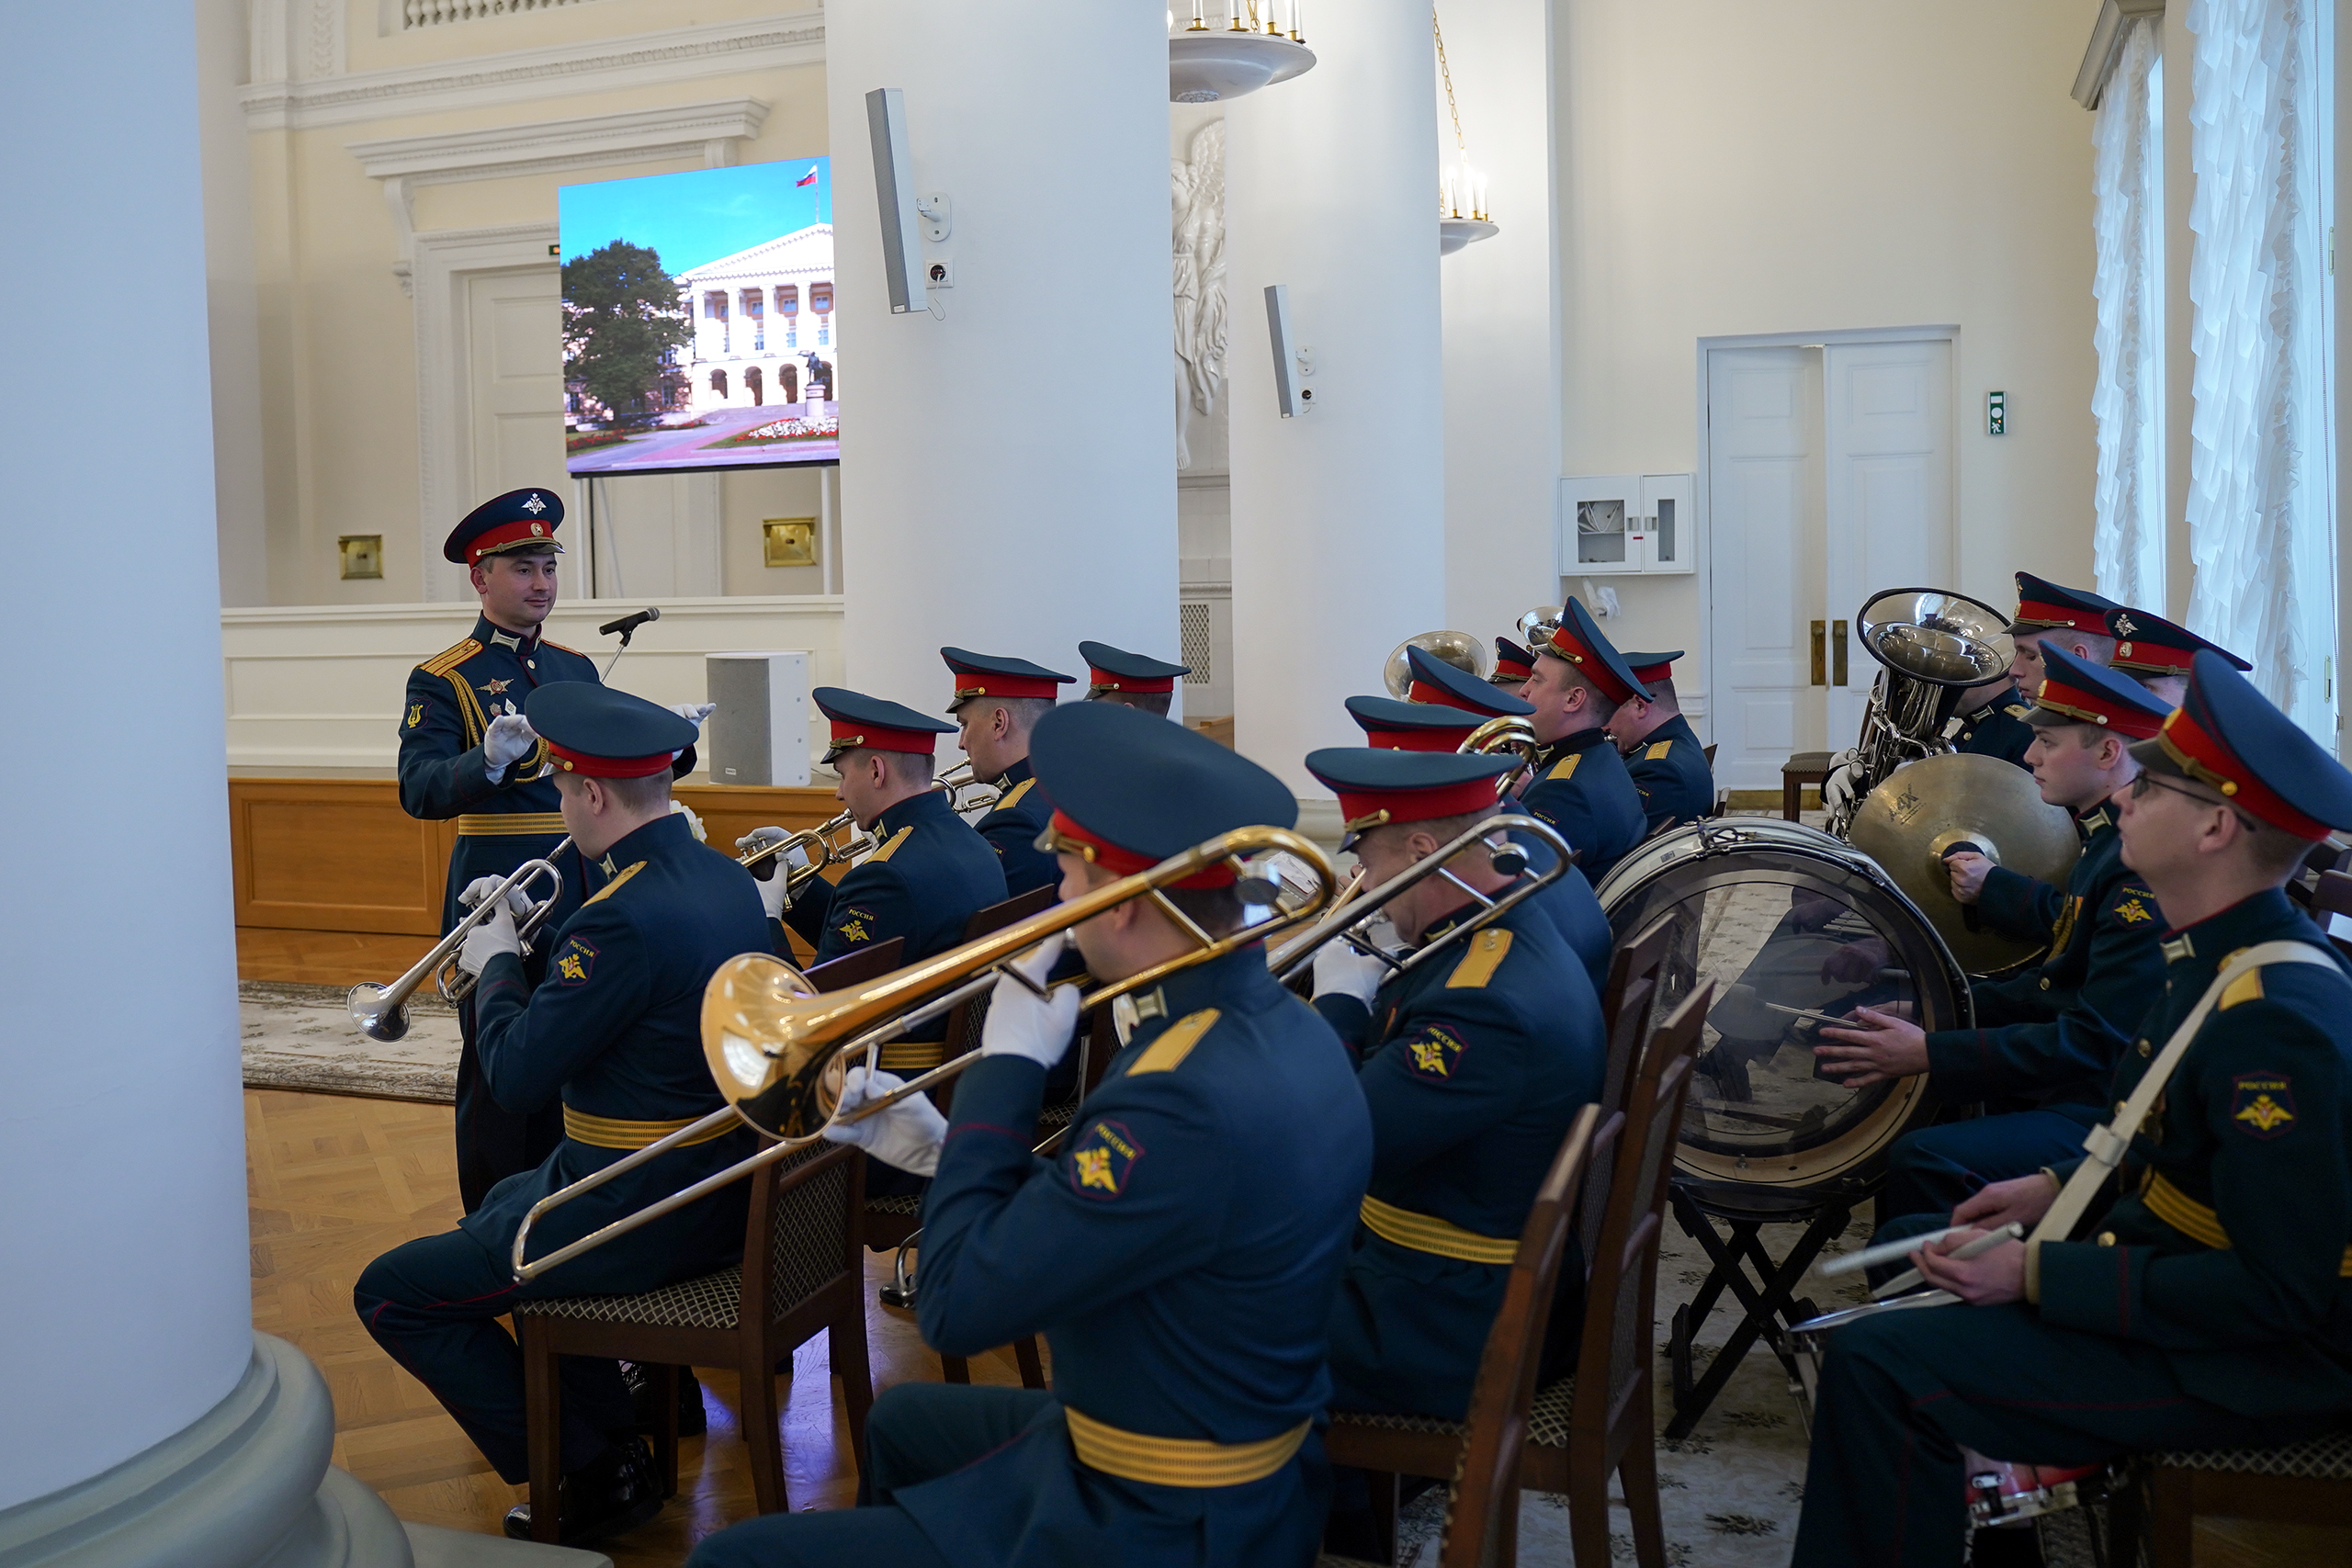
(493, 688)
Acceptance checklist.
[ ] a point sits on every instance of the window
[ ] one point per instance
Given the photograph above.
(714, 304)
(787, 298)
(820, 297)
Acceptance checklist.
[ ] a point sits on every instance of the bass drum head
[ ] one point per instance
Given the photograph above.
(1793, 928)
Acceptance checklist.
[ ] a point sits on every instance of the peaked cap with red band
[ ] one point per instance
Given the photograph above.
(2150, 645)
(860, 720)
(2075, 691)
(1131, 789)
(991, 675)
(517, 520)
(1512, 663)
(1648, 667)
(1112, 668)
(598, 732)
(1378, 788)
(2230, 738)
(2043, 604)
(1578, 639)
(1435, 680)
(1393, 725)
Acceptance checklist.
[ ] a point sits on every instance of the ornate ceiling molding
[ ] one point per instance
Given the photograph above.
(493, 80)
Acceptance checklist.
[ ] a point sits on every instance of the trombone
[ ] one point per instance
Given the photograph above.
(1345, 920)
(780, 1053)
(966, 793)
(380, 1012)
(817, 843)
(1506, 732)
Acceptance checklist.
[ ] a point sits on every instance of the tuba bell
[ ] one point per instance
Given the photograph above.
(1932, 645)
(1460, 649)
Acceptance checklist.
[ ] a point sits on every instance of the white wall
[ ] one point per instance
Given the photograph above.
(1816, 164)
(127, 1307)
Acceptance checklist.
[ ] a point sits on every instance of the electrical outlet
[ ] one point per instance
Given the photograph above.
(939, 272)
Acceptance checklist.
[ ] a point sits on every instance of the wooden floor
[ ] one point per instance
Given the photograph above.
(335, 1181)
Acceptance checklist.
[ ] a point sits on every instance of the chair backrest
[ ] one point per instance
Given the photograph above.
(963, 1022)
(1710, 749)
(803, 1225)
(1613, 1398)
(2332, 895)
(856, 968)
(1486, 1488)
(1628, 1005)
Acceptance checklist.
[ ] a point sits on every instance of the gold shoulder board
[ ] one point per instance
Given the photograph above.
(1167, 1054)
(887, 851)
(1487, 951)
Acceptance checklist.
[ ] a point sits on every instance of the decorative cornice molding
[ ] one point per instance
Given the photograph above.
(2107, 46)
(490, 80)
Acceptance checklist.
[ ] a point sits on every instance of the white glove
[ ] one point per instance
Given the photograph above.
(694, 712)
(509, 741)
(694, 823)
(1838, 789)
(775, 892)
(1341, 971)
(518, 903)
(488, 939)
(1018, 1023)
(907, 1135)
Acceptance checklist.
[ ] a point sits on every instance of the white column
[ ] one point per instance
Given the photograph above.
(1008, 473)
(1339, 514)
(1502, 335)
(126, 1294)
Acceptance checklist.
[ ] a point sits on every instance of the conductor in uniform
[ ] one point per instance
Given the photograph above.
(1473, 1064)
(996, 704)
(1180, 1252)
(1662, 751)
(468, 752)
(612, 1040)
(1136, 680)
(1580, 784)
(2211, 1305)
(2047, 1039)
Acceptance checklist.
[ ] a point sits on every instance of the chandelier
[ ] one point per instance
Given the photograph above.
(1462, 214)
(1208, 64)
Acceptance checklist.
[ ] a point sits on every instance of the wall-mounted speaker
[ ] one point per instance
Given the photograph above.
(894, 191)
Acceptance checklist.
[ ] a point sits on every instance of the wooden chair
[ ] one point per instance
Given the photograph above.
(2302, 1483)
(2332, 895)
(1628, 1009)
(1804, 767)
(1573, 1435)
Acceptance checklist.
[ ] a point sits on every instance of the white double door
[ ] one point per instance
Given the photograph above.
(1830, 479)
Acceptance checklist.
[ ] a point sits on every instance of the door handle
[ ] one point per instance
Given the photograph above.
(1837, 653)
(1820, 670)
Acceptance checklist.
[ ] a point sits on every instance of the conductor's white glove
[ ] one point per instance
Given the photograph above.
(1837, 790)
(694, 712)
(518, 903)
(909, 1134)
(488, 939)
(1341, 971)
(508, 741)
(1020, 1023)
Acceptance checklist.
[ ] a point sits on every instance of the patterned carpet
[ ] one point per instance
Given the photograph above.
(301, 1037)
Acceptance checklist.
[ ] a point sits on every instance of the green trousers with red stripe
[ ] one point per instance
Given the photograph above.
(1902, 1392)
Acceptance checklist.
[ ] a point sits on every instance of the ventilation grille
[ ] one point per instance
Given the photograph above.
(1194, 622)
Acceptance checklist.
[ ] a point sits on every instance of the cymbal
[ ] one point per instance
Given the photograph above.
(1939, 803)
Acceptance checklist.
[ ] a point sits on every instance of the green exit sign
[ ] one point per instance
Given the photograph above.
(1996, 413)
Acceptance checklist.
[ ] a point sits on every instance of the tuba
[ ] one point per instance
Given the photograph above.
(1458, 649)
(1932, 645)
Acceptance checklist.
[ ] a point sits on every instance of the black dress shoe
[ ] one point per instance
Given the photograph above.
(616, 1491)
(693, 1422)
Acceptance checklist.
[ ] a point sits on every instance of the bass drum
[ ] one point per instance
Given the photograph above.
(1795, 929)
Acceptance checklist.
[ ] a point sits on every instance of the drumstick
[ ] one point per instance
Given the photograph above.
(1886, 1252)
(1801, 1012)
(1985, 1243)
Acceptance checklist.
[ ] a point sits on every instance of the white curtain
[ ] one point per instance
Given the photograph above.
(2128, 545)
(2261, 479)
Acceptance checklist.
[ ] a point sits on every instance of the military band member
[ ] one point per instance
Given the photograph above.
(2047, 1040)
(1393, 725)
(1474, 1064)
(2158, 654)
(997, 701)
(467, 753)
(2211, 1307)
(1662, 751)
(1183, 1283)
(1513, 665)
(1137, 680)
(612, 1039)
(1992, 716)
(1580, 784)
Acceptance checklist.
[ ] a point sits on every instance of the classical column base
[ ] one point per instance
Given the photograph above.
(247, 1485)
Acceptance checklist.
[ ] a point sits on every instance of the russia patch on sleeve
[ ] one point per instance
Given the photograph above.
(1102, 1161)
(2262, 1103)
(576, 963)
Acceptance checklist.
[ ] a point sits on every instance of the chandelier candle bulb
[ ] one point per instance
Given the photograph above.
(1200, 23)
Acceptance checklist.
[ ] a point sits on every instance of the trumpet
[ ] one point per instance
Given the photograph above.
(1347, 917)
(779, 1051)
(380, 1012)
(819, 844)
(966, 793)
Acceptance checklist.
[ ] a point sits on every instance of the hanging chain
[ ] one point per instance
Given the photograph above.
(1446, 73)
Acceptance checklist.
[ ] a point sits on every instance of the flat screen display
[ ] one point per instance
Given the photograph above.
(699, 321)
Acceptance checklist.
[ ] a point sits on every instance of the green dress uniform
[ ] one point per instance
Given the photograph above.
(612, 1040)
(1997, 729)
(2211, 1307)
(450, 701)
(1473, 1065)
(1669, 772)
(1010, 828)
(1179, 1252)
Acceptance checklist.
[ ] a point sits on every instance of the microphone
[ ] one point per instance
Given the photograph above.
(629, 624)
